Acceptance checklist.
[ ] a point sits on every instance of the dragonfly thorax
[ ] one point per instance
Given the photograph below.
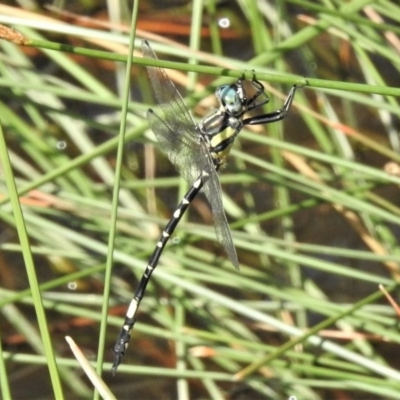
(219, 131)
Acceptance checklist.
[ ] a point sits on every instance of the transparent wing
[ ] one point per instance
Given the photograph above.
(212, 190)
(170, 99)
(173, 125)
(191, 171)
(179, 138)
(184, 154)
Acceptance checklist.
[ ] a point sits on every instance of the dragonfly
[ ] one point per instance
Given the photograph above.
(198, 151)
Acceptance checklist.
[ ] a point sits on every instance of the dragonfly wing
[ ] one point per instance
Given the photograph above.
(212, 189)
(170, 100)
(173, 125)
(186, 160)
(165, 90)
(190, 165)
(180, 139)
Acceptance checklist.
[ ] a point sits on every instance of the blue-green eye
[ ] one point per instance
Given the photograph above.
(230, 99)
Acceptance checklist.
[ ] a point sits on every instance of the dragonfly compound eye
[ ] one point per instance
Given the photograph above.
(230, 99)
